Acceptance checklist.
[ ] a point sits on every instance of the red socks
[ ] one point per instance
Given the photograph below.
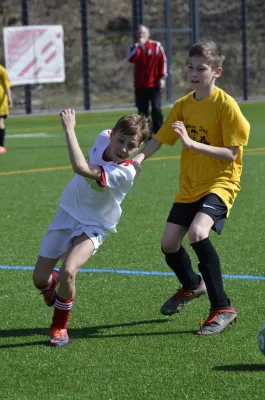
(62, 309)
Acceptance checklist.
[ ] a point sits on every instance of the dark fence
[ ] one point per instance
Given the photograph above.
(97, 35)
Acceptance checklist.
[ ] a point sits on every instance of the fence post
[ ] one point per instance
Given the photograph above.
(138, 16)
(244, 49)
(85, 54)
(27, 89)
(194, 13)
(168, 34)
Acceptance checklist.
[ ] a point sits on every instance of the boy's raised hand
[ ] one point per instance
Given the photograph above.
(68, 119)
(180, 129)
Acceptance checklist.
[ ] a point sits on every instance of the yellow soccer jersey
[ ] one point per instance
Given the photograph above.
(215, 120)
(4, 83)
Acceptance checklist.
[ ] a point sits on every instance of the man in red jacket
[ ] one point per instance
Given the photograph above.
(150, 74)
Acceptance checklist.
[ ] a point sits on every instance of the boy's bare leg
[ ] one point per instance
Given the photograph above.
(46, 279)
(78, 256)
(172, 237)
(82, 250)
(43, 270)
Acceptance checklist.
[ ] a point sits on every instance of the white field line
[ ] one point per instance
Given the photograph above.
(30, 135)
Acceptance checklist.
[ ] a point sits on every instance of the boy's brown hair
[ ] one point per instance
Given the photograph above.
(210, 51)
(133, 124)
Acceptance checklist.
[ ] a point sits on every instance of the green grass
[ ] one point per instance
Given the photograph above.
(121, 346)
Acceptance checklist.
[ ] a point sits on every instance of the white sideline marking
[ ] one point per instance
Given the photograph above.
(30, 135)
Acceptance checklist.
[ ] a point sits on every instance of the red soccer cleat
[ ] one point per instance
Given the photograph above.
(58, 337)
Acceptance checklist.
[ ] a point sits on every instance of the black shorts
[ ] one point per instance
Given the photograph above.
(3, 116)
(211, 204)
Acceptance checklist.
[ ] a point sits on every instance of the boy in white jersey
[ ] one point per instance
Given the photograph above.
(212, 131)
(89, 208)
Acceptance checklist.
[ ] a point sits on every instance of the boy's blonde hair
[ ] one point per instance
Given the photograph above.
(133, 124)
(210, 51)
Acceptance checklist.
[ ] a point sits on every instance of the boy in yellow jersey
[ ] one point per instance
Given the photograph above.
(212, 131)
(5, 103)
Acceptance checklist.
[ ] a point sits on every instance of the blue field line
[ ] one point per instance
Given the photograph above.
(131, 272)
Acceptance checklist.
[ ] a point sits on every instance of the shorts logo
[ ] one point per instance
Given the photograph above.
(95, 234)
(207, 206)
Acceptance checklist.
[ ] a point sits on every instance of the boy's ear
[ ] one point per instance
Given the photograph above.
(218, 72)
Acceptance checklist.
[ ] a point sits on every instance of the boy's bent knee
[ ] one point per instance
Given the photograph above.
(67, 274)
(169, 247)
(43, 270)
(40, 280)
(197, 233)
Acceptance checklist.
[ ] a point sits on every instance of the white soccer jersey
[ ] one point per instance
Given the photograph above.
(98, 203)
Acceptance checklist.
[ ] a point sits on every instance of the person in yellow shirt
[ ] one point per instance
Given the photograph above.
(5, 103)
(212, 131)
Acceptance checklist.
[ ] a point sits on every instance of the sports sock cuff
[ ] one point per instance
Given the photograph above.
(63, 300)
(200, 242)
(64, 305)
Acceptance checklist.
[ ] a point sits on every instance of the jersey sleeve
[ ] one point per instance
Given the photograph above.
(166, 134)
(162, 62)
(117, 175)
(133, 53)
(6, 81)
(235, 127)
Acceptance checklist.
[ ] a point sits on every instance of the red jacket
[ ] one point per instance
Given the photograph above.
(150, 63)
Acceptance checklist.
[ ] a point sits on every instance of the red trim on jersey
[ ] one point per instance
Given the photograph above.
(103, 181)
(126, 162)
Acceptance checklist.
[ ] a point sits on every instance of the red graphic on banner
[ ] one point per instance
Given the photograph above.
(19, 43)
(34, 54)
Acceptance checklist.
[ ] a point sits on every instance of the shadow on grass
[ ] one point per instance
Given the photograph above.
(91, 332)
(241, 367)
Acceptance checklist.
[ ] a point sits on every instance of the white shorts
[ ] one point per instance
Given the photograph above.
(61, 232)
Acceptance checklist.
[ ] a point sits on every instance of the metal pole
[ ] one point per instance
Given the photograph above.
(85, 53)
(168, 39)
(27, 89)
(244, 50)
(137, 16)
(141, 12)
(194, 10)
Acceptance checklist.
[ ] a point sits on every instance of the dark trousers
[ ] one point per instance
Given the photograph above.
(143, 96)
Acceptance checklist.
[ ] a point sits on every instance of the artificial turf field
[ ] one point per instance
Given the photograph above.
(121, 346)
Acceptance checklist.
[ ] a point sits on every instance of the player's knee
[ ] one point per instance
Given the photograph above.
(39, 279)
(168, 246)
(196, 233)
(67, 273)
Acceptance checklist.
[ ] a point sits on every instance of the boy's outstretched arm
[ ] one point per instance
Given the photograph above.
(77, 158)
(148, 150)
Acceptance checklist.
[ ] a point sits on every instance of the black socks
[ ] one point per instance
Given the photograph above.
(209, 266)
(180, 264)
(2, 137)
